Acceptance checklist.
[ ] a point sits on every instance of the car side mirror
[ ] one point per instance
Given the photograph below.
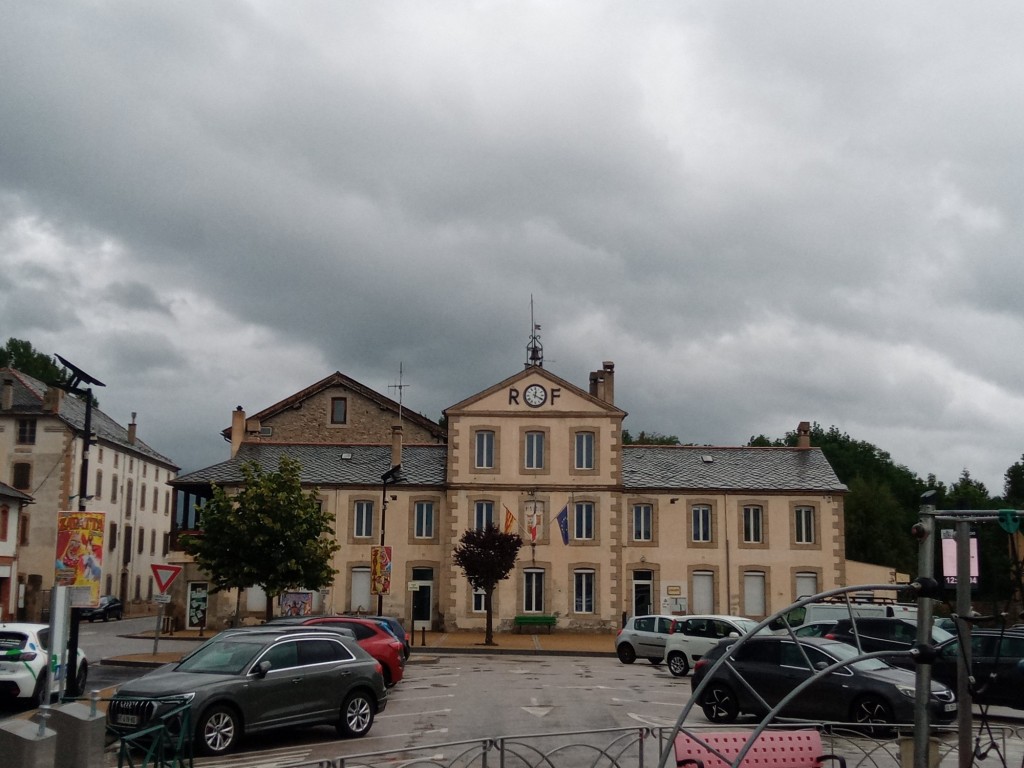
(262, 668)
(734, 634)
(820, 665)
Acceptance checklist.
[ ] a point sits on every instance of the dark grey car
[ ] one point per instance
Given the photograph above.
(245, 681)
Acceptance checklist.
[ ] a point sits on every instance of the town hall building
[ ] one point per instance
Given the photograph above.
(609, 529)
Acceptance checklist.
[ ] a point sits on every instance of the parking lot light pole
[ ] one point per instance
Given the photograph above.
(388, 477)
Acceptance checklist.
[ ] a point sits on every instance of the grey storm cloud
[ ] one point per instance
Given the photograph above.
(762, 213)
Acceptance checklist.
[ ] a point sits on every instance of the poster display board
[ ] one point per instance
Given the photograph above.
(79, 557)
(197, 597)
(380, 570)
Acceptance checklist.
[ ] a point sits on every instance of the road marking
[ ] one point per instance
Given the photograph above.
(264, 759)
(676, 704)
(654, 722)
(416, 714)
(536, 711)
(425, 698)
(407, 735)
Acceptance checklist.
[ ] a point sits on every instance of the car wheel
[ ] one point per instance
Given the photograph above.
(82, 677)
(626, 653)
(389, 680)
(218, 730)
(678, 664)
(874, 714)
(119, 616)
(91, 619)
(106, 616)
(37, 693)
(719, 704)
(356, 715)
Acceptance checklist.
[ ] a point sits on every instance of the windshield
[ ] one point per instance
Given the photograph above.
(230, 656)
(842, 652)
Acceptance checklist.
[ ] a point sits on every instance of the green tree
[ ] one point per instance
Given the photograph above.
(648, 438)
(1013, 485)
(486, 556)
(21, 356)
(270, 534)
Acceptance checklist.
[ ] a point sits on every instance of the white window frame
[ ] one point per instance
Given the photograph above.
(583, 523)
(585, 450)
(700, 523)
(533, 454)
(753, 524)
(643, 522)
(424, 520)
(362, 520)
(533, 590)
(584, 580)
(479, 601)
(803, 532)
(483, 514)
(484, 449)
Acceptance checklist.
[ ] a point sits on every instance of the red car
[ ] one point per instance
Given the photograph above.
(372, 638)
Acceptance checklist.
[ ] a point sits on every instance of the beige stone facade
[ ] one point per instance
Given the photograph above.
(647, 528)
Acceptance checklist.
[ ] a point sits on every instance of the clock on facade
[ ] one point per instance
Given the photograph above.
(535, 395)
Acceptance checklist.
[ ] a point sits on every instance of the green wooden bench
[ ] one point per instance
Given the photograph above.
(535, 620)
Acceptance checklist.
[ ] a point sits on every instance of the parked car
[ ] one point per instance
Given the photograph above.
(840, 609)
(396, 628)
(884, 634)
(109, 608)
(644, 637)
(373, 637)
(997, 664)
(868, 691)
(246, 681)
(696, 635)
(24, 654)
(816, 628)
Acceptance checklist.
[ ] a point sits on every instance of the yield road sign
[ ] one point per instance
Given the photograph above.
(164, 574)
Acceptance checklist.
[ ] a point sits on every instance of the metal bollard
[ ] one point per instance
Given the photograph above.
(94, 700)
(423, 637)
(44, 715)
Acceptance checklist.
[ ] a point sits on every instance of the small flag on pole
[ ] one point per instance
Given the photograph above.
(510, 520)
(563, 523)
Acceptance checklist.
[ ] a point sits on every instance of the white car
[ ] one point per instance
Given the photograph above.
(696, 635)
(24, 653)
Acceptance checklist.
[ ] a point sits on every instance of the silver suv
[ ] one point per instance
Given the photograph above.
(251, 680)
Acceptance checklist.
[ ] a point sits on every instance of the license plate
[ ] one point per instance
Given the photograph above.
(127, 719)
(8, 668)
(950, 707)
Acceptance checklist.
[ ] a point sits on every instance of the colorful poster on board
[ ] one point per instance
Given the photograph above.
(197, 603)
(297, 604)
(380, 570)
(79, 561)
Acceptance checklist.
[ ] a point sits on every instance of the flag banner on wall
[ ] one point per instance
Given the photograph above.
(380, 570)
(510, 520)
(531, 522)
(79, 561)
(563, 523)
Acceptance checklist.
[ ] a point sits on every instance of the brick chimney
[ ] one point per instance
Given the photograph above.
(602, 383)
(7, 401)
(237, 429)
(396, 445)
(803, 435)
(131, 430)
(52, 399)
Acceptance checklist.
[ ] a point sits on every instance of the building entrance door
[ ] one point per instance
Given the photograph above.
(643, 593)
(422, 598)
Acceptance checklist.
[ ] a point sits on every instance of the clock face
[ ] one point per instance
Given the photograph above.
(535, 395)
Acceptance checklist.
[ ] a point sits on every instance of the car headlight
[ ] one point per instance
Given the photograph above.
(907, 690)
(185, 698)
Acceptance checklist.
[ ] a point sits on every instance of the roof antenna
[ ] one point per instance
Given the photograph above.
(534, 350)
(399, 386)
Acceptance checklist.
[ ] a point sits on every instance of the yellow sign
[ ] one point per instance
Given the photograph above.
(79, 560)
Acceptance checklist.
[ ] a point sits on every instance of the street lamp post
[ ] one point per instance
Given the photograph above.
(79, 377)
(388, 477)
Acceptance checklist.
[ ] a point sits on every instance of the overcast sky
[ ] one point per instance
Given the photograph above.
(761, 212)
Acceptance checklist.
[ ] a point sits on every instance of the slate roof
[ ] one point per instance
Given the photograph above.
(684, 468)
(28, 395)
(324, 465)
(671, 468)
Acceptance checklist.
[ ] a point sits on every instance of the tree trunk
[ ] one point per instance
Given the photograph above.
(489, 633)
(270, 608)
(238, 607)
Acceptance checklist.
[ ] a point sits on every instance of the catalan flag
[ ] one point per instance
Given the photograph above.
(510, 520)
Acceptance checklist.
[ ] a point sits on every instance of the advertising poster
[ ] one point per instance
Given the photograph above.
(949, 557)
(380, 570)
(297, 604)
(197, 601)
(79, 562)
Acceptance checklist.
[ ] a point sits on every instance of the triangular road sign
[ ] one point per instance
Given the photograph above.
(164, 575)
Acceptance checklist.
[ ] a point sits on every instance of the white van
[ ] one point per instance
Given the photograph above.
(836, 609)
